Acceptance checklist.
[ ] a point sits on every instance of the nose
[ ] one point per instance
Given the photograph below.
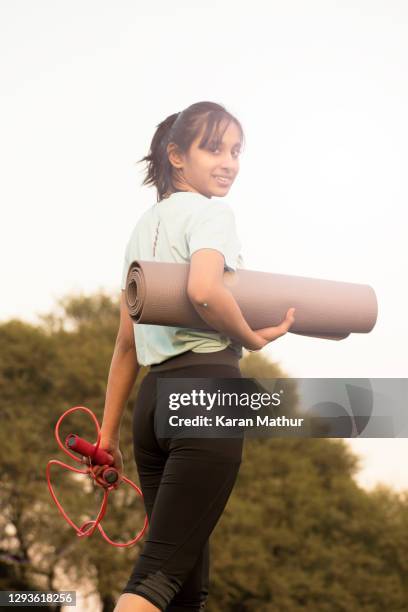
(229, 164)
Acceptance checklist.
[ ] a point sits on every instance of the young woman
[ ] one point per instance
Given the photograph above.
(186, 483)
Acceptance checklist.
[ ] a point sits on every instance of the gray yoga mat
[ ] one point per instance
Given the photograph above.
(156, 294)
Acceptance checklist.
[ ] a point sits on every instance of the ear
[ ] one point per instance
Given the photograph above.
(175, 157)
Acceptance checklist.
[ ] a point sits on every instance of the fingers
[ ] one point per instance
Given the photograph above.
(97, 471)
(287, 322)
(97, 475)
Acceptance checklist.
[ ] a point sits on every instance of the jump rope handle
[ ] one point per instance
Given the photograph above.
(73, 442)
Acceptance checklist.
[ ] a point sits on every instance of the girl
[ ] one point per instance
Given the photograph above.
(186, 482)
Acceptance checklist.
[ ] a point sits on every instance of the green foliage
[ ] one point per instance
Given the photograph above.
(44, 371)
(298, 533)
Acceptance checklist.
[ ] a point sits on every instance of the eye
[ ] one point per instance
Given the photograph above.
(213, 147)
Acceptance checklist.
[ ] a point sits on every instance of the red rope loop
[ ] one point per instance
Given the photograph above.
(81, 531)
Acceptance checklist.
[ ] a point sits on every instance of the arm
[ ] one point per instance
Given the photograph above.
(205, 286)
(122, 375)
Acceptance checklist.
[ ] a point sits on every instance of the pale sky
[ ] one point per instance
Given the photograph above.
(321, 90)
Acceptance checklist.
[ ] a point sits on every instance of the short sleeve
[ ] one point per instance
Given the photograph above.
(214, 227)
(125, 269)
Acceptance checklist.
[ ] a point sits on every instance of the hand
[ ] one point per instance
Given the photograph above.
(268, 334)
(111, 447)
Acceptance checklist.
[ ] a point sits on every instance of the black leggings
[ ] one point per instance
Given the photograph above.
(186, 483)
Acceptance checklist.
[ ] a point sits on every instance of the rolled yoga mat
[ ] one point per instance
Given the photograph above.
(156, 294)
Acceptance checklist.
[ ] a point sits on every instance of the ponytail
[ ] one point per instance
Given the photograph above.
(158, 165)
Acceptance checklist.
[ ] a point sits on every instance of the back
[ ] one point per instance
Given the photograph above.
(170, 231)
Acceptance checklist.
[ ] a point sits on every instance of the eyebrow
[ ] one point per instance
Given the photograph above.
(220, 142)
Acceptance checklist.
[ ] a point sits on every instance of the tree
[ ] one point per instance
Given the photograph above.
(43, 371)
(298, 532)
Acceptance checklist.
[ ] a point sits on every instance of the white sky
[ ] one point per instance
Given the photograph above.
(322, 92)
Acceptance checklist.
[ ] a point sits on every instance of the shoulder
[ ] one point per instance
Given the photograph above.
(139, 226)
(144, 219)
(212, 208)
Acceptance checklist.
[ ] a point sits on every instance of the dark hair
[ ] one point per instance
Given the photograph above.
(182, 128)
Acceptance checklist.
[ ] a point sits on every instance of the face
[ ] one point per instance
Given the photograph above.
(198, 170)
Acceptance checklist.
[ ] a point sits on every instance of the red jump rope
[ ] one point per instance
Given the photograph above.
(109, 479)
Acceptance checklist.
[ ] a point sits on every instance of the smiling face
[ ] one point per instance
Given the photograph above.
(210, 170)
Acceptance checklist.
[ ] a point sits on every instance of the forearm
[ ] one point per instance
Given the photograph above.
(223, 314)
(122, 375)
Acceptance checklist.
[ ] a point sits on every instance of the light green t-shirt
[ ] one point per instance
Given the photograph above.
(183, 223)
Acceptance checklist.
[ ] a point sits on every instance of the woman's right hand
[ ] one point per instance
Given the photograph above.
(111, 447)
(268, 334)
